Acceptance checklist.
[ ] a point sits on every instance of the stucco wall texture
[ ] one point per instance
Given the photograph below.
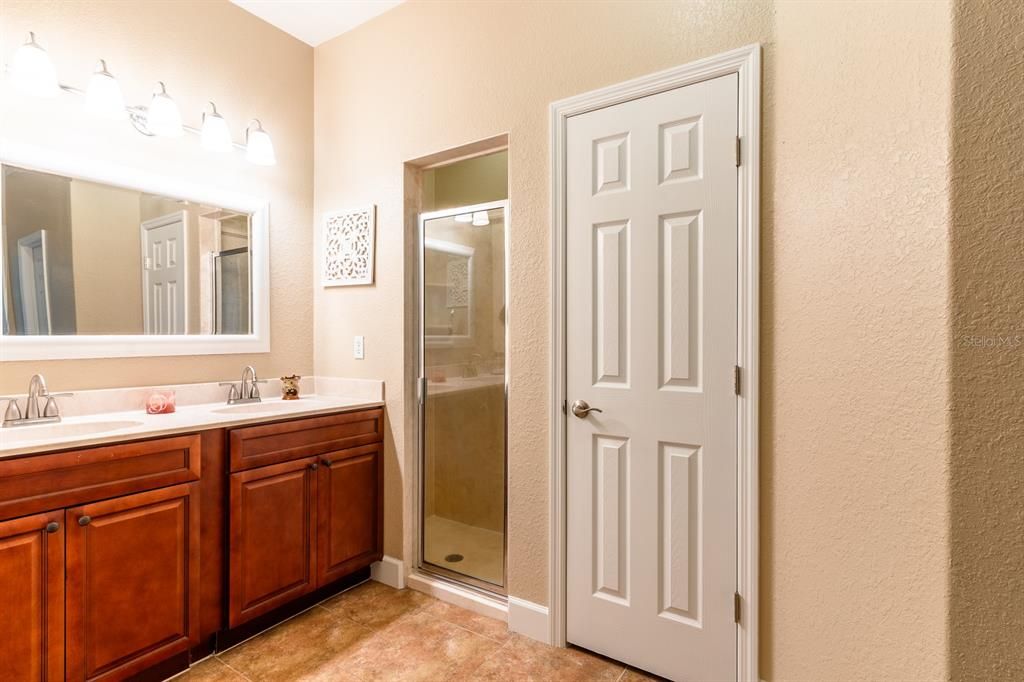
(987, 349)
(203, 51)
(855, 318)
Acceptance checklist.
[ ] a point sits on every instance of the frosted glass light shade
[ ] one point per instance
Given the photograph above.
(32, 71)
(215, 135)
(163, 118)
(104, 97)
(259, 148)
(480, 219)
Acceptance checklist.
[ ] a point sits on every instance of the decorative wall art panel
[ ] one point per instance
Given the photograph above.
(348, 242)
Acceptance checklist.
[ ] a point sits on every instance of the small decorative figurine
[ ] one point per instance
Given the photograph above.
(290, 387)
(160, 401)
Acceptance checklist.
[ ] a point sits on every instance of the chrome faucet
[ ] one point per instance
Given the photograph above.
(247, 390)
(33, 415)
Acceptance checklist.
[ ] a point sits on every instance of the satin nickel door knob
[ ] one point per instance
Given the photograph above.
(581, 409)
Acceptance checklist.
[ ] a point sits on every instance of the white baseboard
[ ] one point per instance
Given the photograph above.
(389, 571)
(492, 607)
(529, 619)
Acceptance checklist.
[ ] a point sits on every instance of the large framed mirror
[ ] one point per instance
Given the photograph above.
(102, 261)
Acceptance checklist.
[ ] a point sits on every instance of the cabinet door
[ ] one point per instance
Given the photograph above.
(132, 582)
(272, 543)
(349, 495)
(32, 585)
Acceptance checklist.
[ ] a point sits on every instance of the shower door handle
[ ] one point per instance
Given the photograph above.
(581, 409)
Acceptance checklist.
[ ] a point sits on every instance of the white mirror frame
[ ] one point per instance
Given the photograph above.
(67, 347)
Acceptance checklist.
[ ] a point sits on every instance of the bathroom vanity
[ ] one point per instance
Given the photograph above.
(131, 555)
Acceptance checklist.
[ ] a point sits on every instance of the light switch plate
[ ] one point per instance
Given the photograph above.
(358, 348)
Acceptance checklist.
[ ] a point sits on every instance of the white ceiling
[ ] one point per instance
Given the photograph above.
(315, 21)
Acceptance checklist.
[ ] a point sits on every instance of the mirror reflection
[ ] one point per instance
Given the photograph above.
(86, 258)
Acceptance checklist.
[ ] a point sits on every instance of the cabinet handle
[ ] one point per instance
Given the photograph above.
(326, 463)
(313, 466)
(52, 527)
(84, 520)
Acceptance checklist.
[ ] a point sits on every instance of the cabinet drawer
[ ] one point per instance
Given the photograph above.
(38, 483)
(256, 446)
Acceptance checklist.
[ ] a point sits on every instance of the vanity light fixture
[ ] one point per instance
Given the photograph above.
(32, 72)
(480, 219)
(163, 118)
(464, 218)
(258, 147)
(215, 135)
(104, 97)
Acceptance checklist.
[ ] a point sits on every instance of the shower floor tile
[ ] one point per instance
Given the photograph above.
(482, 550)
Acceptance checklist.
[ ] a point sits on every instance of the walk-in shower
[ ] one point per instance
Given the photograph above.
(462, 294)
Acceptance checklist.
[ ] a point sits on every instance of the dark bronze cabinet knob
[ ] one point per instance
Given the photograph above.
(52, 527)
(313, 466)
(84, 520)
(326, 462)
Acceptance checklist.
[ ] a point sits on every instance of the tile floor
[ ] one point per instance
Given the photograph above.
(374, 632)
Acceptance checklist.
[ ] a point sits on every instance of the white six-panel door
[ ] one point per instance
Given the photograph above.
(164, 274)
(651, 334)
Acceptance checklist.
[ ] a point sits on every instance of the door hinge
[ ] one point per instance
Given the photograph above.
(738, 152)
(737, 607)
(736, 379)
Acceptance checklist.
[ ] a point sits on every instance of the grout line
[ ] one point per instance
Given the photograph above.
(621, 675)
(229, 667)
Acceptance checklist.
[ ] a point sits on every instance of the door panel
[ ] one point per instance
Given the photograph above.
(132, 582)
(165, 273)
(349, 531)
(272, 538)
(32, 585)
(651, 338)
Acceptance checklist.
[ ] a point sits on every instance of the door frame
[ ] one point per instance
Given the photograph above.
(746, 63)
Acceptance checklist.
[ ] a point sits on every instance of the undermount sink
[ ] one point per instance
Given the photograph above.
(42, 432)
(269, 408)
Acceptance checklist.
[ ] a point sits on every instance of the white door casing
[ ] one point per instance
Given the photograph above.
(165, 274)
(651, 329)
(34, 283)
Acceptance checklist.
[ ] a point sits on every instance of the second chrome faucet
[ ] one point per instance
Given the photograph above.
(247, 390)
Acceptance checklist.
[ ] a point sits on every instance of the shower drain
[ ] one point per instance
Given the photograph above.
(454, 558)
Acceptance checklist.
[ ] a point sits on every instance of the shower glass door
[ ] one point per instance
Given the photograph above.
(462, 389)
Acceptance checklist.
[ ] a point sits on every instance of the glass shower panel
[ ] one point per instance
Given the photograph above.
(231, 291)
(463, 412)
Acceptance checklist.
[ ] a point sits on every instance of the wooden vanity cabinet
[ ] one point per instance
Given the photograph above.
(107, 586)
(32, 585)
(350, 500)
(272, 537)
(303, 523)
(132, 592)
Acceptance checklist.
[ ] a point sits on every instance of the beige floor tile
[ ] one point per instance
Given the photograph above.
(376, 605)
(482, 625)
(209, 670)
(419, 646)
(634, 675)
(304, 647)
(524, 660)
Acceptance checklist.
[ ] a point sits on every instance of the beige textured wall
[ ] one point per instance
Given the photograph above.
(987, 345)
(854, 398)
(106, 248)
(203, 50)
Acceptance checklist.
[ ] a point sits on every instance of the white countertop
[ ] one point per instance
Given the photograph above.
(112, 427)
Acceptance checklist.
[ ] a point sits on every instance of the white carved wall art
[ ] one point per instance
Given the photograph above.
(348, 246)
